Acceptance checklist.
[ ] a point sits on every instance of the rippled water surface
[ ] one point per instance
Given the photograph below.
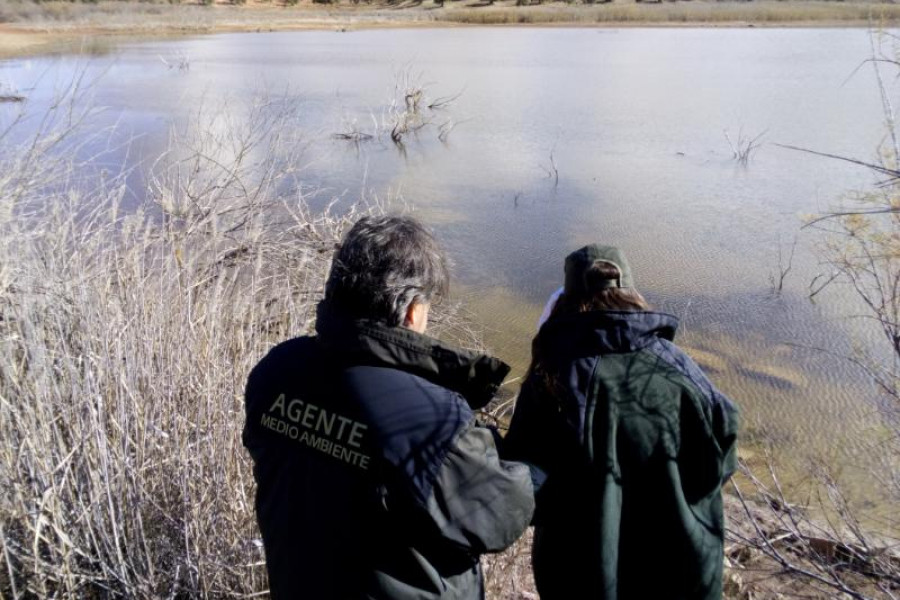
(632, 121)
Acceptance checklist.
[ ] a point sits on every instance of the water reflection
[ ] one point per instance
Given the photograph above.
(634, 120)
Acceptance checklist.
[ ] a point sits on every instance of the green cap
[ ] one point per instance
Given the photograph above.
(578, 263)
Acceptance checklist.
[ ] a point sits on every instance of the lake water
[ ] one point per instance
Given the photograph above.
(634, 120)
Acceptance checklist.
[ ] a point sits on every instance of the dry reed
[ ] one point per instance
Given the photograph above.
(126, 333)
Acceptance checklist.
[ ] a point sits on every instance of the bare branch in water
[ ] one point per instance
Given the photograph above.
(784, 267)
(893, 174)
(551, 170)
(743, 148)
(354, 136)
(444, 101)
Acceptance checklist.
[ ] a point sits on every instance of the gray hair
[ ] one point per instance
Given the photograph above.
(383, 265)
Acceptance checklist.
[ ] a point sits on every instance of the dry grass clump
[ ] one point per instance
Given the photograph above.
(126, 334)
(508, 575)
(821, 548)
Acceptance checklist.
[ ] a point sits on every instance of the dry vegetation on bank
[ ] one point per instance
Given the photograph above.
(124, 14)
(679, 13)
(27, 26)
(125, 336)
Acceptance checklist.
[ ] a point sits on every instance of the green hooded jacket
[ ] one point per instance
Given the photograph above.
(637, 444)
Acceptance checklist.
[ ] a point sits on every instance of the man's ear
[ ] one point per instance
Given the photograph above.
(416, 317)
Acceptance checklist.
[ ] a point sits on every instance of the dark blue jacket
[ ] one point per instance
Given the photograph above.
(637, 444)
(374, 480)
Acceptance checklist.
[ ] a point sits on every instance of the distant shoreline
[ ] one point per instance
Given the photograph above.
(63, 27)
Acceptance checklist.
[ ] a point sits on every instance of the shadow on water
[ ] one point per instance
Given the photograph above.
(765, 360)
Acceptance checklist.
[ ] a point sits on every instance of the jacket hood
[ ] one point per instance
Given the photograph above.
(476, 377)
(605, 332)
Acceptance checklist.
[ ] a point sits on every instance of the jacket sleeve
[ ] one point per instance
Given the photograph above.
(707, 451)
(533, 435)
(539, 436)
(725, 423)
(709, 428)
(477, 500)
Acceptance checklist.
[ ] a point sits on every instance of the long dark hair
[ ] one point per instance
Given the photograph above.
(598, 295)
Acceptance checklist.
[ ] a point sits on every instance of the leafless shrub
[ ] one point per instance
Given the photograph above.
(744, 146)
(830, 543)
(826, 552)
(180, 62)
(409, 120)
(860, 247)
(407, 114)
(785, 265)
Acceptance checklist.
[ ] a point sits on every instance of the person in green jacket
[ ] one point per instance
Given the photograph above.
(635, 441)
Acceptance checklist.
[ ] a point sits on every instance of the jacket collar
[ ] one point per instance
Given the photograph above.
(477, 377)
(605, 331)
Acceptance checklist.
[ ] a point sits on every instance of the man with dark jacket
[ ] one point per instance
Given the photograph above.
(374, 480)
